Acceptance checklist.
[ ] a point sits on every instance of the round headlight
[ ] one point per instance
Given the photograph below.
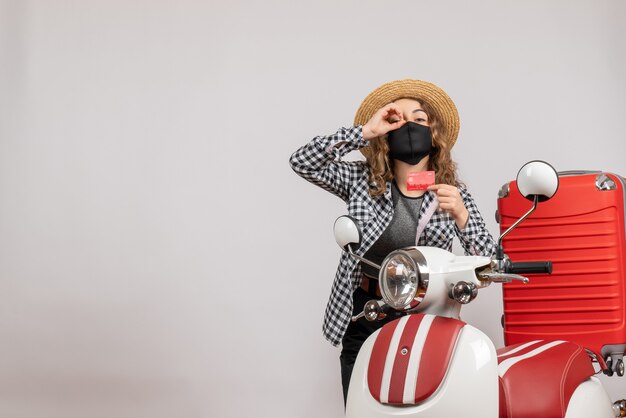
(404, 278)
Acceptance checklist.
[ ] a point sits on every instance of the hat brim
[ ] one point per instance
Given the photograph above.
(441, 104)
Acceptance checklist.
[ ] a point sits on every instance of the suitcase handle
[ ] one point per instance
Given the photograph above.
(530, 267)
(578, 172)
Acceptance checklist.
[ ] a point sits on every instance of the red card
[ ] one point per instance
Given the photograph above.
(420, 180)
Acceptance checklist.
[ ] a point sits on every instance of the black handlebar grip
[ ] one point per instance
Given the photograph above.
(530, 267)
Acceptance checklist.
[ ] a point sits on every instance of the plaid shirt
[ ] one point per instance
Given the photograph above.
(319, 162)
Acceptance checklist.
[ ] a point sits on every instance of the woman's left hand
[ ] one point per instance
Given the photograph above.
(450, 200)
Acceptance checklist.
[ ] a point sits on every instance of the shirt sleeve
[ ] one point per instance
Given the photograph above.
(475, 238)
(319, 161)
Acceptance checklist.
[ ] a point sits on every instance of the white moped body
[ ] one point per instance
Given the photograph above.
(470, 386)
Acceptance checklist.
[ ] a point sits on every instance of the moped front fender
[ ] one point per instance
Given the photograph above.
(468, 388)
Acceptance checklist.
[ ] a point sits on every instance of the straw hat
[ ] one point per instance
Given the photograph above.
(443, 106)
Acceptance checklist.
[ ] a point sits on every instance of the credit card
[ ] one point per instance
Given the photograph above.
(420, 180)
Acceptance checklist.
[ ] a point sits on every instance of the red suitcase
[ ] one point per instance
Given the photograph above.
(582, 231)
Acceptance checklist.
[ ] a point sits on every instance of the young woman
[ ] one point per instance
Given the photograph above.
(402, 127)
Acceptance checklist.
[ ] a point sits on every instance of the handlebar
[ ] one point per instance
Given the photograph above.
(530, 267)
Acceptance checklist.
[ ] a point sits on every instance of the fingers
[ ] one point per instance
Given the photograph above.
(392, 113)
(445, 190)
(448, 196)
(448, 203)
(386, 119)
(395, 125)
(448, 199)
(442, 186)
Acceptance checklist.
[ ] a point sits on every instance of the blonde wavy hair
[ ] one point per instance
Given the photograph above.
(440, 158)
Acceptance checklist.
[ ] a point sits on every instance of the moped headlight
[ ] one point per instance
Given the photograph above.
(404, 278)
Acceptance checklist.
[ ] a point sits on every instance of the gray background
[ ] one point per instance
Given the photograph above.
(158, 258)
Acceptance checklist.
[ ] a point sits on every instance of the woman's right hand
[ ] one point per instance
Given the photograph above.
(385, 119)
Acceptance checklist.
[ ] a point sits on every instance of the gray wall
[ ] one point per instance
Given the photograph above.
(158, 258)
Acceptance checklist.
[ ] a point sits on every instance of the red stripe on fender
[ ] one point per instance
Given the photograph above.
(378, 357)
(579, 368)
(512, 350)
(436, 355)
(502, 407)
(398, 375)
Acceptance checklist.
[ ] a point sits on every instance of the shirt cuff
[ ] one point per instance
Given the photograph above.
(346, 140)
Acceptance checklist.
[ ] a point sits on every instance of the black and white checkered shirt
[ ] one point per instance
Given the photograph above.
(319, 162)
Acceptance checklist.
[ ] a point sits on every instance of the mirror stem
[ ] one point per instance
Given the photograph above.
(361, 258)
(500, 251)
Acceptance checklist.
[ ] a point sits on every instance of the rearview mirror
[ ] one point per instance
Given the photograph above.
(347, 233)
(537, 179)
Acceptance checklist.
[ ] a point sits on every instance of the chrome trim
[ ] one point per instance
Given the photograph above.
(604, 182)
(619, 408)
(463, 292)
(577, 172)
(497, 277)
(526, 215)
(366, 261)
(504, 190)
(372, 311)
(419, 265)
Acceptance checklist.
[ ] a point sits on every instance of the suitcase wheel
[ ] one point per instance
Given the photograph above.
(609, 366)
(611, 369)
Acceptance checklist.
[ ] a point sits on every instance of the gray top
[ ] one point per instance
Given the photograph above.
(400, 232)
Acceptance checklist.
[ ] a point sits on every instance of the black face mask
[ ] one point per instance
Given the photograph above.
(410, 143)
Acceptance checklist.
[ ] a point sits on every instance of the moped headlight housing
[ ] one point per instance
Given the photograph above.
(404, 278)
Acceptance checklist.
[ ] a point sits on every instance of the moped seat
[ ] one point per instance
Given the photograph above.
(537, 379)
